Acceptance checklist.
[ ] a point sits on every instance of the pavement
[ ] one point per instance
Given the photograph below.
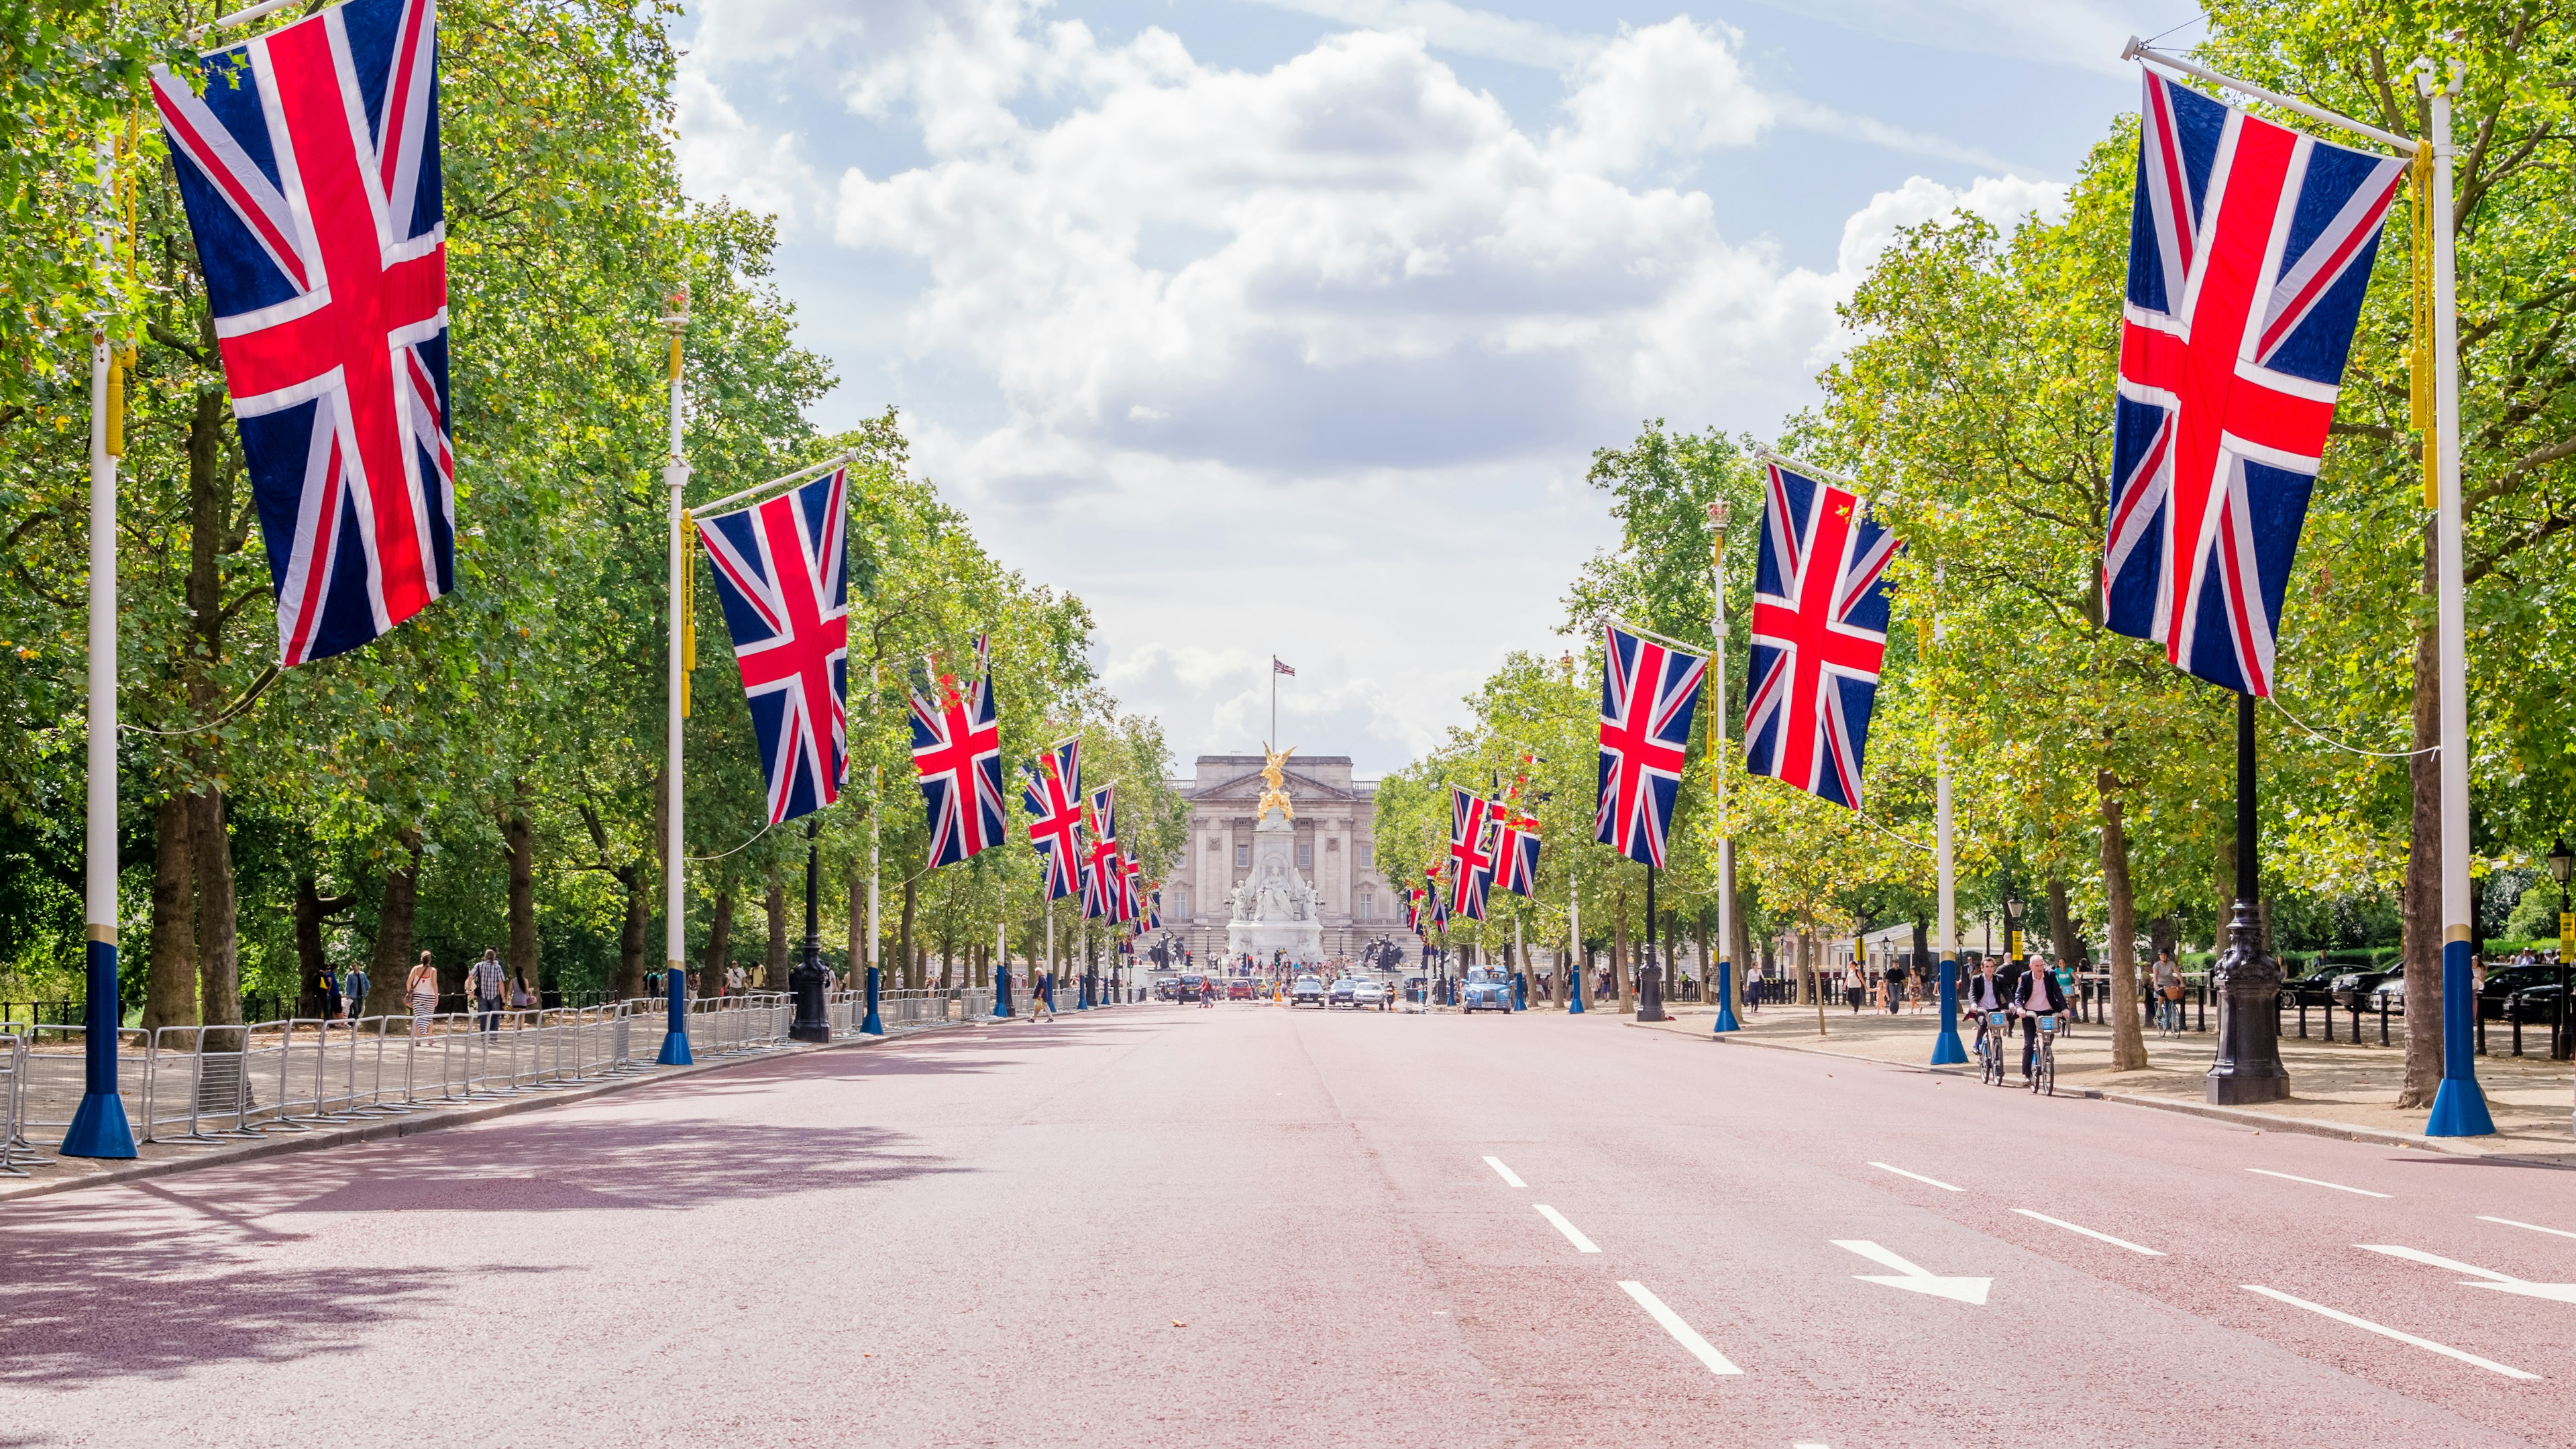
(2337, 1088)
(1251, 1225)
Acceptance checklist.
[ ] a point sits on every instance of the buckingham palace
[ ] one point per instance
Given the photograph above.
(1335, 825)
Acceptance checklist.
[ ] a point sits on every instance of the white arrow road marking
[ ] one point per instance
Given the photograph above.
(1914, 1279)
(2385, 1331)
(2088, 1232)
(2313, 1182)
(1572, 1233)
(2535, 1227)
(1918, 1177)
(1509, 1176)
(2500, 1282)
(1683, 1334)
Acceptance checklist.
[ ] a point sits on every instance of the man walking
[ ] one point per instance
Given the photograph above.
(353, 991)
(485, 985)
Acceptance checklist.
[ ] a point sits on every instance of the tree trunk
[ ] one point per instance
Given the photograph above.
(1619, 948)
(1707, 975)
(903, 940)
(519, 845)
(773, 966)
(2164, 934)
(2128, 1043)
(2423, 890)
(631, 932)
(391, 960)
(2061, 925)
(218, 942)
(719, 934)
(170, 988)
(312, 908)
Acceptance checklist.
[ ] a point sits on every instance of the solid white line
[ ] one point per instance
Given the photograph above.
(2384, 1331)
(2535, 1227)
(2088, 1232)
(1683, 1334)
(2312, 1182)
(1496, 1164)
(1573, 1234)
(1918, 1177)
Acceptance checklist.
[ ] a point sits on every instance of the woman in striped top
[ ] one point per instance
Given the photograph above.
(422, 987)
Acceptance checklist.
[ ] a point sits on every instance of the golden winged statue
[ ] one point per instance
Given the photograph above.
(1272, 775)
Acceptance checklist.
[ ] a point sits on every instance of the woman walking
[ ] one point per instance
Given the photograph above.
(421, 988)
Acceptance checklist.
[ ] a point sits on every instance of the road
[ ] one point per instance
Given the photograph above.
(1246, 1225)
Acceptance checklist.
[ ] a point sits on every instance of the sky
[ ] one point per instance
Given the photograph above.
(1289, 327)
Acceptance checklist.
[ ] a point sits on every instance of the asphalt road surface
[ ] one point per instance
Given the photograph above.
(1246, 1225)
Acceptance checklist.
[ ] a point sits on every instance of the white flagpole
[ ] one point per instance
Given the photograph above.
(99, 1127)
(1724, 985)
(2459, 1107)
(675, 866)
(1947, 1050)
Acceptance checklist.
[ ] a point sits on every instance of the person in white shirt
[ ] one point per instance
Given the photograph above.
(2039, 995)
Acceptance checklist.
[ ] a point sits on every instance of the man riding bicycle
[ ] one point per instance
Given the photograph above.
(2039, 996)
(1986, 999)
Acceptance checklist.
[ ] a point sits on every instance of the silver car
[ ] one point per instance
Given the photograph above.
(1368, 993)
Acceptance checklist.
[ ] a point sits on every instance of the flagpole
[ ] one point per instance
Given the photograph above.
(1002, 968)
(1946, 1047)
(675, 865)
(2459, 1106)
(1718, 744)
(99, 1127)
(873, 1024)
(1574, 934)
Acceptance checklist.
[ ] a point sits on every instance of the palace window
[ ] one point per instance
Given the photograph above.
(1242, 856)
(1181, 901)
(1365, 905)
(1305, 856)
(1365, 853)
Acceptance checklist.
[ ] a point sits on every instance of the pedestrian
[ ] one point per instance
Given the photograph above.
(2168, 995)
(2039, 995)
(328, 986)
(420, 988)
(353, 991)
(733, 981)
(1753, 987)
(521, 998)
(484, 985)
(1895, 989)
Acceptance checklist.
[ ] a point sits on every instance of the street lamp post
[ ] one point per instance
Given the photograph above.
(1650, 981)
(2560, 1042)
(2249, 1067)
(806, 981)
(1726, 1021)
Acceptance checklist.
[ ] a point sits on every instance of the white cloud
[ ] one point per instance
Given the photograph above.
(2003, 200)
(726, 156)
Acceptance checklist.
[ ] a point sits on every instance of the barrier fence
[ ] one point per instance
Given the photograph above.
(207, 1085)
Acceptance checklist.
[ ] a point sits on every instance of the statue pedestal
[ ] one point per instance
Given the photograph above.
(1274, 908)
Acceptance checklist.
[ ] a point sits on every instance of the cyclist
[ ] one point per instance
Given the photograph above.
(2039, 996)
(1986, 998)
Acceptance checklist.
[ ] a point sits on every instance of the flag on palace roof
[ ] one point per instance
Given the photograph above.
(1649, 690)
(957, 750)
(1819, 632)
(309, 166)
(2250, 246)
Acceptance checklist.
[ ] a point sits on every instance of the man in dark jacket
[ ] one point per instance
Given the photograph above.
(2037, 994)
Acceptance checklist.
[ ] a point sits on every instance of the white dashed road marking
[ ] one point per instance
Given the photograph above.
(2384, 1331)
(2312, 1182)
(1509, 1176)
(1573, 1234)
(1683, 1334)
(1918, 1177)
(2088, 1232)
(2535, 1227)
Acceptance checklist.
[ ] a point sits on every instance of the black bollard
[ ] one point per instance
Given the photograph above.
(2383, 1028)
(2303, 1018)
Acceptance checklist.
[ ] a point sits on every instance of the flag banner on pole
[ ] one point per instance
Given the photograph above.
(1649, 690)
(782, 571)
(310, 172)
(957, 748)
(1471, 856)
(1278, 668)
(1154, 909)
(1103, 878)
(1053, 797)
(1516, 853)
(1819, 633)
(2250, 246)
(1137, 906)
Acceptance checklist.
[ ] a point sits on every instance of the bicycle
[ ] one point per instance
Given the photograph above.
(2043, 1066)
(1993, 1039)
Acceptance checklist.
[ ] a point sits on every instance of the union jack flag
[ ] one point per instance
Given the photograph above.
(1649, 692)
(1819, 633)
(1471, 856)
(1136, 894)
(2250, 246)
(309, 167)
(957, 748)
(1104, 876)
(1516, 852)
(1053, 797)
(1154, 909)
(782, 569)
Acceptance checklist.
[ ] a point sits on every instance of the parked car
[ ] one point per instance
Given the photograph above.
(1367, 993)
(2533, 1005)
(2349, 988)
(2313, 989)
(2391, 990)
(1486, 988)
(1307, 991)
(2505, 982)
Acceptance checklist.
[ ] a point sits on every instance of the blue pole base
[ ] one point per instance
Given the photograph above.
(2459, 1106)
(1946, 1048)
(1726, 1021)
(2459, 1110)
(874, 1025)
(99, 1128)
(675, 1050)
(1574, 1002)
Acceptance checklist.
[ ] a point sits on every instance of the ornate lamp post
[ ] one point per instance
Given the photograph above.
(808, 979)
(2249, 1067)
